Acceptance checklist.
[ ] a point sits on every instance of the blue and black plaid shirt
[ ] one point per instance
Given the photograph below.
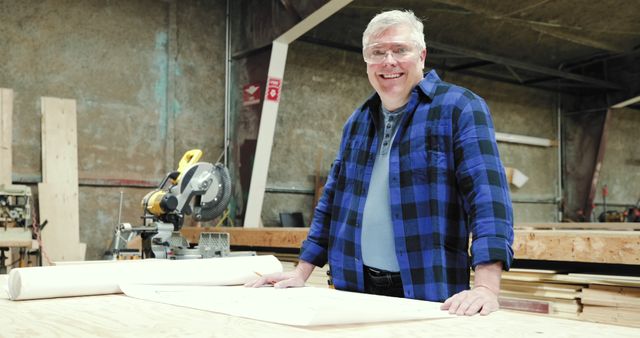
(445, 181)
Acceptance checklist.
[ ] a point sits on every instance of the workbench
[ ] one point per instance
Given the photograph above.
(121, 316)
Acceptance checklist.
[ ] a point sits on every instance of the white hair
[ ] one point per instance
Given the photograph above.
(385, 20)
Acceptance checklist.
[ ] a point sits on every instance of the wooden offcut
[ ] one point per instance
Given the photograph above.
(58, 194)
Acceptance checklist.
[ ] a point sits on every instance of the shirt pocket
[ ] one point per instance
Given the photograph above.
(427, 159)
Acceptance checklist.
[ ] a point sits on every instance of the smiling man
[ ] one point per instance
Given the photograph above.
(417, 173)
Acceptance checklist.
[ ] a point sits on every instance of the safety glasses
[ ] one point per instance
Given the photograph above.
(401, 51)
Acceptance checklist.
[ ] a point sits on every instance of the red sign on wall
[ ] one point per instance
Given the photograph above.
(250, 94)
(273, 89)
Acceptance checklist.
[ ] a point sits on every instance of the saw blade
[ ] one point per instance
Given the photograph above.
(215, 203)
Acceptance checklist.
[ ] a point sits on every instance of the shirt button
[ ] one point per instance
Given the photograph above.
(385, 143)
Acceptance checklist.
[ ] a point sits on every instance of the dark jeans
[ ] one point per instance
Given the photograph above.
(381, 282)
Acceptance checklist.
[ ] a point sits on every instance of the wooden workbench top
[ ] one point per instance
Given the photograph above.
(121, 316)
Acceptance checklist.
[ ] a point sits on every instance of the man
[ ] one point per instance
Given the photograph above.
(418, 170)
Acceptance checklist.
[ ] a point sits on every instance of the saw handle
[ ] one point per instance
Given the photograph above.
(190, 157)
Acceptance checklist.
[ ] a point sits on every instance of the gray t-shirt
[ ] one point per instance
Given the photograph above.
(378, 241)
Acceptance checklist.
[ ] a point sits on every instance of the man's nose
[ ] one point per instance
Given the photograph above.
(388, 58)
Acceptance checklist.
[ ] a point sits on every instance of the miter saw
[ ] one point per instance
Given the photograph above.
(199, 189)
(16, 230)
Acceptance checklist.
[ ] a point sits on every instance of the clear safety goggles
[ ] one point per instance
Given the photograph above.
(401, 51)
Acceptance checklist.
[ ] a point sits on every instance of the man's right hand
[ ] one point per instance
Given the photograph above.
(280, 280)
(290, 279)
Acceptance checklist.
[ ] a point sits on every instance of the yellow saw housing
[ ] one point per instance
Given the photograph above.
(153, 201)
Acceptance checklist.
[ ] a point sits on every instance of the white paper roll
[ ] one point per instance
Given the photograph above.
(104, 278)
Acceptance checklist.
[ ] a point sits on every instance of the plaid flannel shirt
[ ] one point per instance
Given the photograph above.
(446, 180)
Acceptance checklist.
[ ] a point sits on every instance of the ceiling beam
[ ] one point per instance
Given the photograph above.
(489, 58)
(574, 34)
(523, 65)
(470, 65)
(493, 77)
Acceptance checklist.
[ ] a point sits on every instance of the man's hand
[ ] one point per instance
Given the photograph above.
(291, 279)
(278, 280)
(469, 302)
(483, 297)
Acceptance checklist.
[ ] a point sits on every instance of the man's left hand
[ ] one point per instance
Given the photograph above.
(469, 302)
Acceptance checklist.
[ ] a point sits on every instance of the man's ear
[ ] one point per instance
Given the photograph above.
(423, 55)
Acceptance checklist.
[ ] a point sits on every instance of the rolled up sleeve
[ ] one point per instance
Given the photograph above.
(483, 184)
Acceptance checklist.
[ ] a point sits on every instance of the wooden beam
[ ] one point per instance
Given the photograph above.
(6, 113)
(260, 237)
(579, 226)
(595, 246)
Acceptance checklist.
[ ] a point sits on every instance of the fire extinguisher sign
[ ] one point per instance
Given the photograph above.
(273, 89)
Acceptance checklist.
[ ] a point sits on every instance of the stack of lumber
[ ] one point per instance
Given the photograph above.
(610, 299)
(538, 291)
(598, 298)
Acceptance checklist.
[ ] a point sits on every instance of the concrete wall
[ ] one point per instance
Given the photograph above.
(322, 87)
(148, 78)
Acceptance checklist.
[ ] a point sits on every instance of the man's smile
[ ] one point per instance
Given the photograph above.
(389, 76)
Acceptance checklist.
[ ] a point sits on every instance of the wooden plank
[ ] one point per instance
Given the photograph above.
(596, 246)
(599, 246)
(526, 305)
(6, 136)
(579, 226)
(599, 279)
(58, 194)
(260, 237)
(613, 296)
(610, 315)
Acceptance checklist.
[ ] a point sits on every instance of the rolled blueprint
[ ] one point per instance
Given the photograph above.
(105, 277)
